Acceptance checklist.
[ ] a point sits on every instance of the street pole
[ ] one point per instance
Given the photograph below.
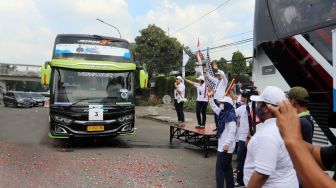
(110, 25)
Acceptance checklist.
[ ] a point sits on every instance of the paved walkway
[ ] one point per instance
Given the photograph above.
(167, 114)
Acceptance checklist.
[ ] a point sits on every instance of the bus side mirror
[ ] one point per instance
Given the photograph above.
(45, 73)
(143, 79)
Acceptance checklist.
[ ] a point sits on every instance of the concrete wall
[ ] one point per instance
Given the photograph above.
(263, 75)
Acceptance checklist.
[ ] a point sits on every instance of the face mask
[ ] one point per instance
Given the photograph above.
(221, 106)
(259, 113)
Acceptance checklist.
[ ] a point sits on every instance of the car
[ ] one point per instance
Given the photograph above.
(17, 99)
(38, 99)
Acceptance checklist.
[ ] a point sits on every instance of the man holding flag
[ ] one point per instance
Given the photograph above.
(219, 82)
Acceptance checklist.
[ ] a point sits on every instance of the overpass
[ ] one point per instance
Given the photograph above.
(19, 72)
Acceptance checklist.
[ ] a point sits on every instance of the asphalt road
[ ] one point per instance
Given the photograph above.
(28, 158)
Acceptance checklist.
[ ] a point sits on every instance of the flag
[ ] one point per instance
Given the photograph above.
(185, 58)
(199, 55)
(208, 82)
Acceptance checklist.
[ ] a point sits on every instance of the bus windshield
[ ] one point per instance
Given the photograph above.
(84, 88)
(291, 17)
(91, 48)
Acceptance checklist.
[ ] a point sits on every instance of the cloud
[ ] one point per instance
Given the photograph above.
(28, 27)
(234, 17)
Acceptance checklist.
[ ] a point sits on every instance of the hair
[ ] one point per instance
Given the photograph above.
(302, 103)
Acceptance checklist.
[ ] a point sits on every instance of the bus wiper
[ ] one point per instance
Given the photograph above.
(78, 101)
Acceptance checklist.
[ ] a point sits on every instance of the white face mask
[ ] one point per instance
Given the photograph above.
(221, 106)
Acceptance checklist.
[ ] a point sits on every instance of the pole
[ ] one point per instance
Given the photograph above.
(109, 25)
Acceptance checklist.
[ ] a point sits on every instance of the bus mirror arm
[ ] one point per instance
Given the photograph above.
(46, 64)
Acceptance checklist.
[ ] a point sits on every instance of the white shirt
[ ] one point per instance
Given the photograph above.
(267, 154)
(201, 92)
(220, 85)
(181, 88)
(243, 122)
(227, 138)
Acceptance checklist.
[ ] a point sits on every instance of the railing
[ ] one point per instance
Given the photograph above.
(19, 70)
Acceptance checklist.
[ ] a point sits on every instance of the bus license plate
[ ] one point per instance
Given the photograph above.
(95, 128)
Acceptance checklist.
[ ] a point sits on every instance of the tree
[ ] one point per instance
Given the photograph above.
(160, 53)
(238, 65)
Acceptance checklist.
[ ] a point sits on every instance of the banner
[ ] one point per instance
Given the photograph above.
(184, 62)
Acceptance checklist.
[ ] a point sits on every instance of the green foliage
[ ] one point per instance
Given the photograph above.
(190, 106)
(164, 85)
(238, 66)
(159, 52)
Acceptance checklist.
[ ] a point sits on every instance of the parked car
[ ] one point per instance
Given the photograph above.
(38, 99)
(17, 99)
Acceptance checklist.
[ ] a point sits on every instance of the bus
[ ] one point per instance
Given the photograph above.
(92, 81)
(293, 45)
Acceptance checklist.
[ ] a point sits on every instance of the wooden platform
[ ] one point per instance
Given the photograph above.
(203, 138)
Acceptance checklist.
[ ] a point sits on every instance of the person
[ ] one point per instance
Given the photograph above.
(221, 82)
(299, 98)
(226, 140)
(243, 129)
(179, 94)
(202, 101)
(268, 163)
(113, 91)
(309, 161)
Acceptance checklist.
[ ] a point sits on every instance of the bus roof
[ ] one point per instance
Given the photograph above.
(92, 36)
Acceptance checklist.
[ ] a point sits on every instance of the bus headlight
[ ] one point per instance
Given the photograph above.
(62, 119)
(125, 118)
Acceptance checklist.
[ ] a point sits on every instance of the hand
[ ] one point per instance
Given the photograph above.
(225, 148)
(287, 121)
(210, 92)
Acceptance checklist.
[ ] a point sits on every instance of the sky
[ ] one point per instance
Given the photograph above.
(29, 27)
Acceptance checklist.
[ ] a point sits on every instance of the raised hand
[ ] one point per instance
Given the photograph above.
(287, 121)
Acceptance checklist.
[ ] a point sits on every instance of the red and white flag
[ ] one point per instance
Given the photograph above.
(199, 55)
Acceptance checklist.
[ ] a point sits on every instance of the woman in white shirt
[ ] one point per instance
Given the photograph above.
(202, 101)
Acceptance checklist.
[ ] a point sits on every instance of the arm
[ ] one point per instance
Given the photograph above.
(214, 80)
(190, 82)
(306, 158)
(257, 180)
(214, 107)
(225, 80)
(232, 134)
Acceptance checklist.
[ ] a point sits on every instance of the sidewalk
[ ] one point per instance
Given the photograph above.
(167, 114)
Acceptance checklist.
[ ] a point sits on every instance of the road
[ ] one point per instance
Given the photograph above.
(28, 158)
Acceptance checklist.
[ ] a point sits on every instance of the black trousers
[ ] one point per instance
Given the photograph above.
(179, 110)
(215, 116)
(241, 156)
(224, 170)
(201, 107)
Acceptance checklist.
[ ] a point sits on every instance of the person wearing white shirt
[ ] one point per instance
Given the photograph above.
(179, 98)
(268, 163)
(221, 82)
(226, 140)
(243, 129)
(202, 101)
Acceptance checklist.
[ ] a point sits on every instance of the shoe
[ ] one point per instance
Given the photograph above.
(198, 126)
(214, 130)
(202, 126)
(239, 185)
(181, 124)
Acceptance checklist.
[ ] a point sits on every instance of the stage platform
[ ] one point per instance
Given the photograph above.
(203, 138)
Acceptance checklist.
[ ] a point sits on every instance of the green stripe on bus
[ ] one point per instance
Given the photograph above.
(92, 65)
(51, 136)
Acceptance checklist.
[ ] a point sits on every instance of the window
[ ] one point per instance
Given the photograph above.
(291, 17)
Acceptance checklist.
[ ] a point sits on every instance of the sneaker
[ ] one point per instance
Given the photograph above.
(239, 185)
(202, 126)
(198, 126)
(181, 124)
